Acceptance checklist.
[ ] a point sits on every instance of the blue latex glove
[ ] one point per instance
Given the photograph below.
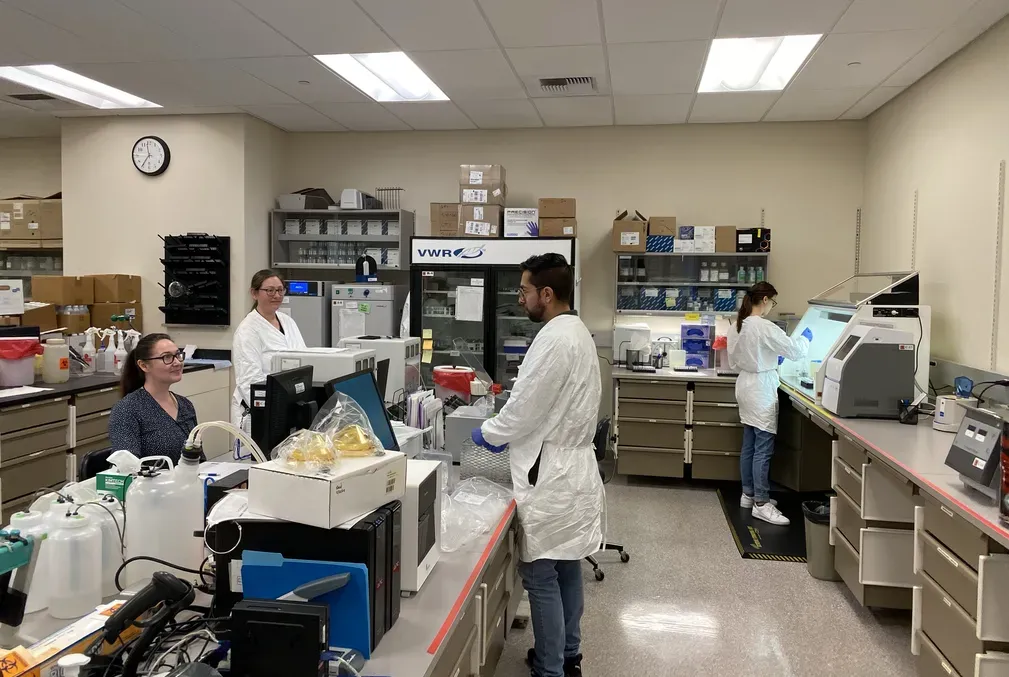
(477, 437)
(807, 334)
(781, 360)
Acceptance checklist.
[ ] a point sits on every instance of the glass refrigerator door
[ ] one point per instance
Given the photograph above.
(515, 331)
(452, 319)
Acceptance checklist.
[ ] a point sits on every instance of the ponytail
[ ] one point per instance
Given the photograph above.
(133, 377)
(753, 296)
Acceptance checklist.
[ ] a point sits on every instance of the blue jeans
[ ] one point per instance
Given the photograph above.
(755, 463)
(556, 605)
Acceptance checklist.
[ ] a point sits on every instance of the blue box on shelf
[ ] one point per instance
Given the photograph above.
(627, 299)
(695, 345)
(686, 233)
(701, 360)
(697, 331)
(653, 298)
(659, 243)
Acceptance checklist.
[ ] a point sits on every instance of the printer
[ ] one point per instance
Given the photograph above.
(870, 371)
(326, 363)
(404, 362)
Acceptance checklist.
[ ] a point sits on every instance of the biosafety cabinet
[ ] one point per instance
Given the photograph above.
(886, 300)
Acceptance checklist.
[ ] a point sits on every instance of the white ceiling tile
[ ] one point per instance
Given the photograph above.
(814, 104)
(576, 111)
(535, 23)
(664, 109)
(471, 74)
(216, 28)
(42, 42)
(361, 117)
(218, 83)
(893, 15)
(160, 83)
(972, 24)
(286, 73)
(659, 20)
(323, 26)
(657, 67)
(879, 54)
(871, 102)
(532, 63)
(501, 113)
(759, 18)
(431, 25)
(732, 106)
(295, 118)
(430, 115)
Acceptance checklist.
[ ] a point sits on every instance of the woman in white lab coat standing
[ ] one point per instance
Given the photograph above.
(756, 347)
(263, 330)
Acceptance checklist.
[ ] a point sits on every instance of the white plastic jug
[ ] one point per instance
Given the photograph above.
(108, 515)
(56, 361)
(165, 511)
(33, 523)
(75, 569)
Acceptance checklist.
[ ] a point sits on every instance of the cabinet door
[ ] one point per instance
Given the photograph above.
(513, 330)
(450, 312)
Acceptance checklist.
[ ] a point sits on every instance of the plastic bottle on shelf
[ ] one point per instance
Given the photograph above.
(751, 277)
(119, 357)
(741, 274)
(760, 273)
(723, 273)
(90, 353)
(705, 277)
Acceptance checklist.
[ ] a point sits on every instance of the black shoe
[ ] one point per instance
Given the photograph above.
(572, 666)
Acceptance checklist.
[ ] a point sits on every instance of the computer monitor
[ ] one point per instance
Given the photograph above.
(362, 388)
(382, 371)
(282, 405)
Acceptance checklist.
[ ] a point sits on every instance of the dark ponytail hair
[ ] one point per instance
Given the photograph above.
(754, 295)
(260, 277)
(133, 376)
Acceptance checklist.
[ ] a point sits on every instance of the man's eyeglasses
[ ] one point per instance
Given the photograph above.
(272, 291)
(523, 292)
(168, 358)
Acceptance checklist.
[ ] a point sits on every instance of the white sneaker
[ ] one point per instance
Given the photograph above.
(747, 501)
(770, 514)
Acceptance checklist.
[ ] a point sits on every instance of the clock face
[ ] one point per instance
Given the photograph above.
(151, 155)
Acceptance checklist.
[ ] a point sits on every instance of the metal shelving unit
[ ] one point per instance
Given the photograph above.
(339, 250)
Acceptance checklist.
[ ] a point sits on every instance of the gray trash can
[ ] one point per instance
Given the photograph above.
(819, 551)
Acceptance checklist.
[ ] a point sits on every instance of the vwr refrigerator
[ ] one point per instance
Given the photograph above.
(464, 301)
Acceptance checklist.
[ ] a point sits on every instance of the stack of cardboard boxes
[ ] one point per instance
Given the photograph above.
(33, 222)
(557, 217)
(662, 234)
(104, 296)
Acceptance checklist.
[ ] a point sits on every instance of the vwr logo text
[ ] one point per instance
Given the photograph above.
(462, 253)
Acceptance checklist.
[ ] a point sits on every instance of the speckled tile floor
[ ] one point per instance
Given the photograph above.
(688, 604)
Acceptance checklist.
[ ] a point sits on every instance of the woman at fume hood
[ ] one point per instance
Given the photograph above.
(263, 330)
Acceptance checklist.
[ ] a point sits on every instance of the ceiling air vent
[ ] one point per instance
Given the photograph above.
(580, 86)
(32, 97)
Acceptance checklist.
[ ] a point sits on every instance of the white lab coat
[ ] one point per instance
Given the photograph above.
(754, 353)
(404, 319)
(551, 416)
(254, 337)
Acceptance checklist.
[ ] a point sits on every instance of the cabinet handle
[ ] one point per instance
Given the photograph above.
(483, 624)
(949, 558)
(456, 673)
(945, 600)
(947, 667)
(946, 510)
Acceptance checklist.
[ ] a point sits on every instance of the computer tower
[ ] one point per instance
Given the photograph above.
(370, 536)
(395, 511)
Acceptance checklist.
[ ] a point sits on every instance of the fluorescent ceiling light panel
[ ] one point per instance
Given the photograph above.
(755, 64)
(69, 85)
(384, 76)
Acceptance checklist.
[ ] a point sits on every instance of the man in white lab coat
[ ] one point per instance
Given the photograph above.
(548, 425)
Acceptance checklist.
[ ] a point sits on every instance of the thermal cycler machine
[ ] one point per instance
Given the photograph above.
(869, 373)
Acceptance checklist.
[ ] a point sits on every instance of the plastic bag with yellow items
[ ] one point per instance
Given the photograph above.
(344, 422)
(307, 450)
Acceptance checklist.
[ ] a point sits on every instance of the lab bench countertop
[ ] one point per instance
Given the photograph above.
(701, 375)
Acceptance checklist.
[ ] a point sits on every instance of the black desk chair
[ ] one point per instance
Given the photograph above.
(601, 443)
(93, 463)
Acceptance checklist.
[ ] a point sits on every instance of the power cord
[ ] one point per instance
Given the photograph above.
(989, 386)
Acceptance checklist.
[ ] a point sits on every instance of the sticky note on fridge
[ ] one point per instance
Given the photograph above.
(692, 317)
(426, 333)
(428, 344)
(425, 357)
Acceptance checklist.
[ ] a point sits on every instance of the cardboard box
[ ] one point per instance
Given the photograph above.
(101, 315)
(41, 315)
(444, 218)
(482, 194)
(117, 288)
(558, 227)
(683, 246)
(12, 297)
(50, 220)
(725, 239)
(521, 222)
(327, 499)
(19, 219)
(476, 175)
(753, 240)
(629, 236)
(112, 482)
(704, 246)
(75, 324)
(557, 207)
(704, 233)
(685, 233)
(659, 243)
(480, 220)
(662, 225)
(63, 291)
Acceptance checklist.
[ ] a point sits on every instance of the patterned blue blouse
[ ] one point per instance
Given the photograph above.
(139, 424)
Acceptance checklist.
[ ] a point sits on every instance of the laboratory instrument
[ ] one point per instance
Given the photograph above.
(458, 426)
(326, 363)
(284, 403)
(421, 522)
(308, 303)
(404, 362)
(976, 451)
(949, 410)
(627, 337)
(365, 309)
(870, 373)
(268, 633)
(19, 555)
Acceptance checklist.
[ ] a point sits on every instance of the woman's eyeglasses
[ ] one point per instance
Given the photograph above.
(272, 291)
(168, 358)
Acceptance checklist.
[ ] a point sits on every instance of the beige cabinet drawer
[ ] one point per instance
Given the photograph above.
(93, 425)
(959, 536)
(886, 496)
(847, 564)
(497, 589)
(717, 437)
(951, 573)
(468, 625)
(94, 401)
(637, 433)
(948, 626)
(931, 662)
(848, 520)
(851, 452)
(86, 446)
(22, 443)
(886, 557)
(705, 412)
(34, 414)
(653, 410)
(715, 465)
(706, 392)
(654, 390)
(848, 480)
(31, 473)
(650, 462)
(467, 666)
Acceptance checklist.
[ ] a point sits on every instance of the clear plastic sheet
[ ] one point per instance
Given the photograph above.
(474, 508)
(344, 422)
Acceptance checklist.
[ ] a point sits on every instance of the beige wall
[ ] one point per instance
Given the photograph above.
(808, 178)
(264, 146)
(945, 138)
(29, 166)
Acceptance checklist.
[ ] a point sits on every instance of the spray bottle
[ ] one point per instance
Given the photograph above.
(90, 353)
(132, 338)
(106, 356)
(119, 357)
